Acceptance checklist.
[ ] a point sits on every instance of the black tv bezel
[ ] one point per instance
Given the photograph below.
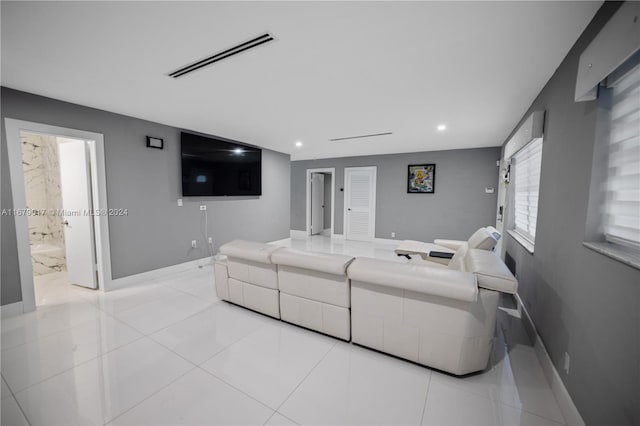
(223, 140)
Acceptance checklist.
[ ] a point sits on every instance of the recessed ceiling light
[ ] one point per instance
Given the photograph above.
(298, 144)
(442, 127)
(238, 150)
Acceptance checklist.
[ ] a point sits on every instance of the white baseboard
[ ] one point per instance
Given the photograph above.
(295, 234)
(337, 236)
(568, 408)
(11, 310)
(161, 272)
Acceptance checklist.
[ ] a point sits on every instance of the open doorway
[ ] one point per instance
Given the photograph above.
(59, 198)
(320, 201)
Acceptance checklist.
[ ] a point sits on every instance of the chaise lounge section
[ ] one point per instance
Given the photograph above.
(439, 317)
(441, 250)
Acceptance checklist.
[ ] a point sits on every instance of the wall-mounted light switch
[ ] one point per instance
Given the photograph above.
(489, 190)
(203, 207)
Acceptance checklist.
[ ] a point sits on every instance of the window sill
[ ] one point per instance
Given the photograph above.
(615, 252)
(521, 240)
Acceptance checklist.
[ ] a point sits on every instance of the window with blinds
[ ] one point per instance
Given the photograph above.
(621, 218)
(527, 163)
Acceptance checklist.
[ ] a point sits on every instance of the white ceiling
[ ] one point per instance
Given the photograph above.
(336, 69)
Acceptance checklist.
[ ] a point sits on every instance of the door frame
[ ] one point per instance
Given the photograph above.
(332, 172)
(345, 223)
(13, 128)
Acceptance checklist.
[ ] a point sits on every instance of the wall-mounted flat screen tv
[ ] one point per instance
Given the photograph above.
(215, 167)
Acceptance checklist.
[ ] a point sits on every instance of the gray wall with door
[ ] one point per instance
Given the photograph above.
(581, 301)
(156, 233)
(458, 207)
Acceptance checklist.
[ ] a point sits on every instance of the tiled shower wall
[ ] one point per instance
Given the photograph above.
(43, 196)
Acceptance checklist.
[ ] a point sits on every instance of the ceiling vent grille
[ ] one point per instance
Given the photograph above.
(242, 47)
(360, 136)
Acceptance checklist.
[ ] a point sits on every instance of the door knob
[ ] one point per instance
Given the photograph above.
(349, 209)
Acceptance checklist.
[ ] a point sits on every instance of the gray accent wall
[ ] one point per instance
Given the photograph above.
(458, 207)
(156, 233)
(582, 302)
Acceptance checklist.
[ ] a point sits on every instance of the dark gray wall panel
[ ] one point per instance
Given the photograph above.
(582, 302)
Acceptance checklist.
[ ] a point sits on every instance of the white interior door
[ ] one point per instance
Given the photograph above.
(360, 203)
(317, 203)
(76, 203)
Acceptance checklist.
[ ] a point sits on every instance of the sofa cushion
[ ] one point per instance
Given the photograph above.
(490, 271)
(314, 285)
(484, 238)
(249, 250)
(335, 264)
(420, 278)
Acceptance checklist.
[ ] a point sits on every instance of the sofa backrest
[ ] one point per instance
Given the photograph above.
(484, 238)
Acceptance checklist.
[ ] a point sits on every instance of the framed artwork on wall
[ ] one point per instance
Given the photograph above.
(421, 179)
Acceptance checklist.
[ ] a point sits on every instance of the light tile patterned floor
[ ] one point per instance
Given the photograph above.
(167, 351)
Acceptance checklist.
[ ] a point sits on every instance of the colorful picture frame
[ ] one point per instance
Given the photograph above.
(421, 179)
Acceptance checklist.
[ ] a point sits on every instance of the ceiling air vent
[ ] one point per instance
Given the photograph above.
(360, 136)
(242, 47)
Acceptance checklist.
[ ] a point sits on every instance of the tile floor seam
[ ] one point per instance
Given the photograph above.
(286, 417)
(150, 395)
(307, 375)
(24, 414)
(270, 417)
(188, 293)
(7, 385)
(172, 351)
(234, 387)
(424, 406)
(506, 404)
(234, 343)
(73, 367)
(71, 328)
(55, 332)
(280, 414)
(174, 323)
(150, 336)
(147, 334)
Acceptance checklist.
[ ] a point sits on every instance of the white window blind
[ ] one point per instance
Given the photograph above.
(527, 187)
(622, 205)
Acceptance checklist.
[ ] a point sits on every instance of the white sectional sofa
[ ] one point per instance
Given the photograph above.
(252, 277)
(315, 291)
(439, 316)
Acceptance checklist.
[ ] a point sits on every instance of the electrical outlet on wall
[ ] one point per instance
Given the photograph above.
(179, 202)
(567, 361)
(393, 235)
(194, 244)
(210, 240)
(203, 207)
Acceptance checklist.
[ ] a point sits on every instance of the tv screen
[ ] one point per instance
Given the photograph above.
(214, 167)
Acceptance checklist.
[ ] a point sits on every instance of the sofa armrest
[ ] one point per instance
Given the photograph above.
(490, 271)
(450, 244)
(419, 278)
